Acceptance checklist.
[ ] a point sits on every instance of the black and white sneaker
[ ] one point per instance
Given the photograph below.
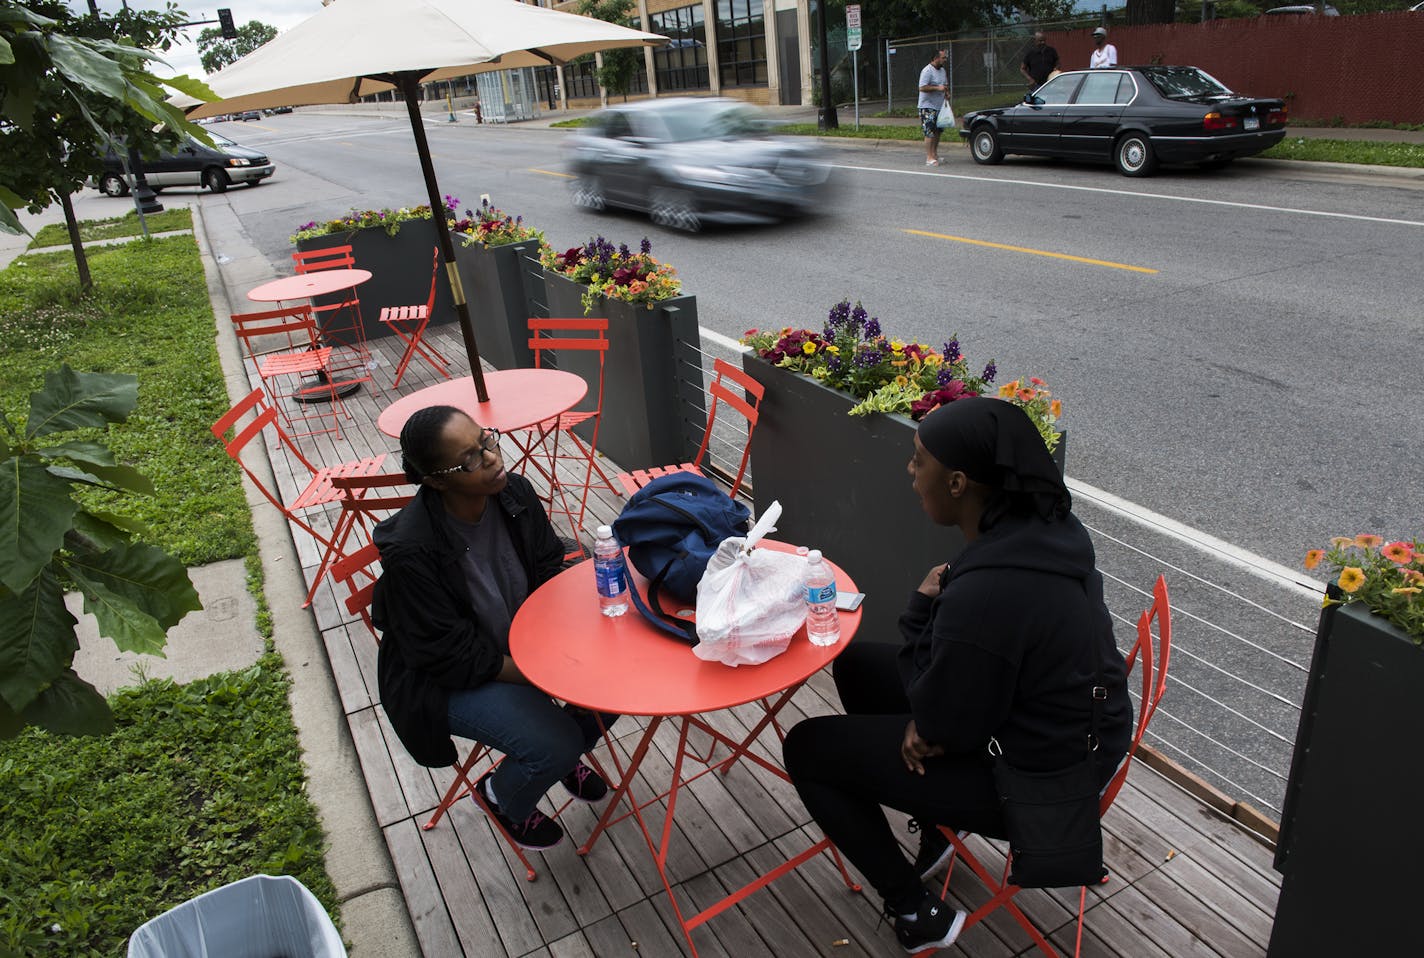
(934, 851)
(536, 833)
(585, 784)
(934, 925)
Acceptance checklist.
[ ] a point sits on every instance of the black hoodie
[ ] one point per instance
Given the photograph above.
(1010, 646)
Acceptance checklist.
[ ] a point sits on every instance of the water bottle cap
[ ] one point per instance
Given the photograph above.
(605, 532)
(814, 555)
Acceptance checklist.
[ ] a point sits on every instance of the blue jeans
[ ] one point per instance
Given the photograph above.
(541, 740)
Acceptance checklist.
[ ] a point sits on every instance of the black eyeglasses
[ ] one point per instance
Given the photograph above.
(489, 442)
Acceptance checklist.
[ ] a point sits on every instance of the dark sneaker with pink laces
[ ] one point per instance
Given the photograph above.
(585, 784)
(536, 833)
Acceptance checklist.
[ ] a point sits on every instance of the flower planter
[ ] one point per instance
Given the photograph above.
(498, 306)
(400, 272)
(647, 418)
(843, 484)
(1348, 825)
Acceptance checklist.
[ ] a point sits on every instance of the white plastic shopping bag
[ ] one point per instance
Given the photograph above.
(945, 120)
(750, 601)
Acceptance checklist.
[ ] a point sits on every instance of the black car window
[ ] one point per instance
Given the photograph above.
(1099, 88)
(616, 127)
(1126, 89)
(1185, 83)
(1058, 90)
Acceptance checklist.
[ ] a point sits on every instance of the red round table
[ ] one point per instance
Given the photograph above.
(518, 399)
(564, 645)
(306, 285)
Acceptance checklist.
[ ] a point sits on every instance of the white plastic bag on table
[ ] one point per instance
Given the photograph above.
(750, 601)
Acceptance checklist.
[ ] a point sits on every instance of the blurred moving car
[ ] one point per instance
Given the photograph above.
(1306, 8)
(689, 161)
(1133, 117)
(193, 164)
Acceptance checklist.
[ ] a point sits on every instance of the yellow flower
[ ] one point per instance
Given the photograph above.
(1341, 542)
(897, 346)
(933, 359)
(1367, 541)
(1351, 578)
(808, 348)
(1313, 557)
(901, 380)
(1406, 590)
(833, 349)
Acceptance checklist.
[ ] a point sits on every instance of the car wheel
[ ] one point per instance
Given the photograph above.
(112, 184)
(215, 180)
(589, 195)
(675, 209)
(984, 144)
(1133, 154)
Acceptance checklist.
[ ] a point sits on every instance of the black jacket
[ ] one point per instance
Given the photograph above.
(1009, 648)
(431, 640)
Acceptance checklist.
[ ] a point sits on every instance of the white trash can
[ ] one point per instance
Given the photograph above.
(259, 917)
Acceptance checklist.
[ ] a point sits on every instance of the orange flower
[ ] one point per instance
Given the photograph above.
(1036, 381)
(1313, 557)
(1400, 553)
(1351, 578)
(1366, 540)
(1413, 575)
(1406, 590)
(1007, 390)
(1056, 408)
(1341, 542)
(1025, 395)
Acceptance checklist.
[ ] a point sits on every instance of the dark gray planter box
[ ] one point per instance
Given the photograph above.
(494, 286)
(649, 404)
(842, 482)
(400, 272)
(1350, 824)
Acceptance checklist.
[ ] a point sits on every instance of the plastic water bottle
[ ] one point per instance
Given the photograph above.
(610, 573)
(823, 623)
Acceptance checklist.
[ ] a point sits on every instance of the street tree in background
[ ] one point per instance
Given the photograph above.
(619, 66)
(68, 86)
(216, 52)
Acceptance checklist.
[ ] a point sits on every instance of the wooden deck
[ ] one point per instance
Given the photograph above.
(1185, 880)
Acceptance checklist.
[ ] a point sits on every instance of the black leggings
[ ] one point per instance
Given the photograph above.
(846, 766)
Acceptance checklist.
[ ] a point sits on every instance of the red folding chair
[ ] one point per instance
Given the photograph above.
(743, 403)
(1154, 686)
(357, 572)
(553, 443)
(290, 363)
(409, 323)
(340, 322)
(361, 503)
(248, 419)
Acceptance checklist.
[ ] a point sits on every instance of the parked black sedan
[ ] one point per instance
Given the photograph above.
(1134, 117)
(687, 161)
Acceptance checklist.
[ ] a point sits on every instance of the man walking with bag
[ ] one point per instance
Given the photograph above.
(934, 87)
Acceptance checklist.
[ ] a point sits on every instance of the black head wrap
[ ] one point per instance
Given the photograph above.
(420, 440)
(995, 443)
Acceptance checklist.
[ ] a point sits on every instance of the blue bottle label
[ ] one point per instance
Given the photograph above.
(610, 579)
(826, 593)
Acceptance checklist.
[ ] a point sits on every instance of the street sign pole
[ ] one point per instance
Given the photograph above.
(853, 41)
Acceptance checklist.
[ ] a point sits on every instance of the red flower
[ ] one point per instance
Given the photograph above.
(931, 401)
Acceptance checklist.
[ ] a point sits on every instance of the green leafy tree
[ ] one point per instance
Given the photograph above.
(215, 52)
(619, 66)
(50, 544)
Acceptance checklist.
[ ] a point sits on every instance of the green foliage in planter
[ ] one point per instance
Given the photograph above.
(1385, 577)
(198, 786)
(389, 220)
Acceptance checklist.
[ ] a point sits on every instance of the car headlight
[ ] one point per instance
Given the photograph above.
(238, 161)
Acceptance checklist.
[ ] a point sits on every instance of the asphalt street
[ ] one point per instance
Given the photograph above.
(1237, 351)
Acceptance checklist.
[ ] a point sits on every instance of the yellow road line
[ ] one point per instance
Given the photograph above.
(567, 176)
(1035, 252)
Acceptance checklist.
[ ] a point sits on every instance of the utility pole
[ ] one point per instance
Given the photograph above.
(827, 119)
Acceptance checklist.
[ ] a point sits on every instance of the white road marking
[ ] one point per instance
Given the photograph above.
(1135, 193)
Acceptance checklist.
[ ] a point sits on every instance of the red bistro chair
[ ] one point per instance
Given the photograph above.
(409, 323)
(341, 324)
(282, 347)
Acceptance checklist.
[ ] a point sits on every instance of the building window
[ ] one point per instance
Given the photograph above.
(582, 78)
(682, 64)
(741, 43)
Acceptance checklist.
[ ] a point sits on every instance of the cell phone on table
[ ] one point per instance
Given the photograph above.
(849, 601)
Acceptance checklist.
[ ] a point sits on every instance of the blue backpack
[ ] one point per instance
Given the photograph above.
(671, 528)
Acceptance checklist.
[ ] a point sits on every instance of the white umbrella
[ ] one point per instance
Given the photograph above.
(353, 48)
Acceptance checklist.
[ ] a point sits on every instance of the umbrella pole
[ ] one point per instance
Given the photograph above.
(410, 88)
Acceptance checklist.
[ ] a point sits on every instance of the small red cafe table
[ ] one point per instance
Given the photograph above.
(306, 285)
(564, 645)
(518, 399)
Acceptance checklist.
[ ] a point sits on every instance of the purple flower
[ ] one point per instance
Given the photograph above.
(646, 247)
(944, 377)
(990, 371)
(951, 350)
(623, 250)
(872, 329)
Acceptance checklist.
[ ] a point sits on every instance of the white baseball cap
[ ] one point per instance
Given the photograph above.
(1100, 32)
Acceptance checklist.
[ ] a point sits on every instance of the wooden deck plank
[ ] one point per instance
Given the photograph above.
(343, 657)
(500, 882)
(387, 797)
(428, 912)
(571, 946)
(479, 932)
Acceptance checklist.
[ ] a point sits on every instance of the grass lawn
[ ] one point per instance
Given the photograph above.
(200, 785)
(1347, 151)
(55, 234)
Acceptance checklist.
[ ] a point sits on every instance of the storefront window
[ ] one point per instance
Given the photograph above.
(682, 64)
(741, 43)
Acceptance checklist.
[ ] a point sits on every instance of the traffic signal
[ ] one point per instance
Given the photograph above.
(229, 31)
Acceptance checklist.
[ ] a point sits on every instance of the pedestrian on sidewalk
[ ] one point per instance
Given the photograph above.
(1039, 61)
(1104, 53)
(934, 87)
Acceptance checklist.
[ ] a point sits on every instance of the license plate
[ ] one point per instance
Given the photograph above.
(1252, 123)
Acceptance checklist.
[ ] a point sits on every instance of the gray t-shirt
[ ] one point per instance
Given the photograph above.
(932, 76)
(498, 585)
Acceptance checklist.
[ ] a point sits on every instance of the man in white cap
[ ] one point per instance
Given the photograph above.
(1104, 53)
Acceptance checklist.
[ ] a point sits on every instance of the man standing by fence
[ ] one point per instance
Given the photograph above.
(1039, 61)
(934, 87)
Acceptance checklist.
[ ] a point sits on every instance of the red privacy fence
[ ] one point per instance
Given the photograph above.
(1354, 69)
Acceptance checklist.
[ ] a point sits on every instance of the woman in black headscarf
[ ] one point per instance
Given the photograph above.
(1007, 642)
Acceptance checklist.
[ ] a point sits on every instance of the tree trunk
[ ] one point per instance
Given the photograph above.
(81, 261)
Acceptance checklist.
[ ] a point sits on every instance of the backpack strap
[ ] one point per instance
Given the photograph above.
(678, 628)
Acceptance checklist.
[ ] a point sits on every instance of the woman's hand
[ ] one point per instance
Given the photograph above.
(914, 750)
(930, 586)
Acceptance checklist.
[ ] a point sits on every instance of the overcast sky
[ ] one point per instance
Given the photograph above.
(183, 58)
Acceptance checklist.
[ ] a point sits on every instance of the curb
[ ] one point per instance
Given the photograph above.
(374, 914)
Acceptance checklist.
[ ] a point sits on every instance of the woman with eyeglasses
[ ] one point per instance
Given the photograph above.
(457, 562)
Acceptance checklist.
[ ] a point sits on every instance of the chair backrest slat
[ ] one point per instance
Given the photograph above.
(316, 260)
(346, 570)
(1154, 678)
